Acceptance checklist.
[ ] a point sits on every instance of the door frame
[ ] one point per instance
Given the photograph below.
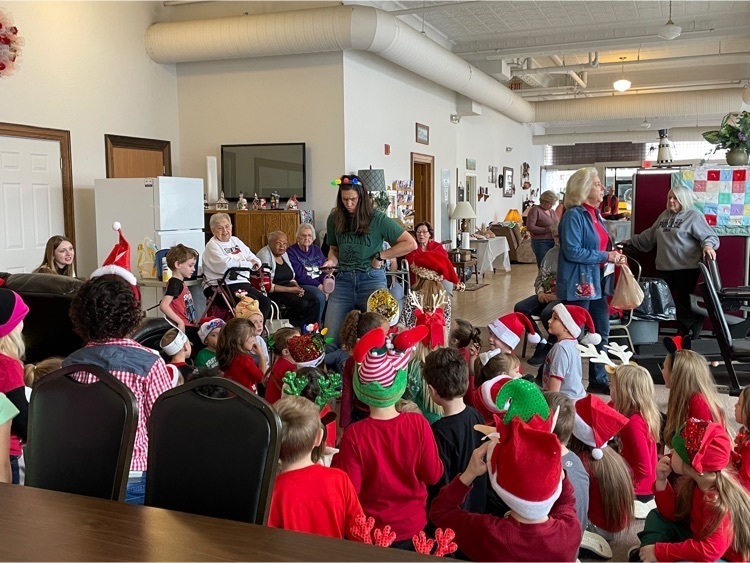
(62, 137)
(111, 142)
(419, 158)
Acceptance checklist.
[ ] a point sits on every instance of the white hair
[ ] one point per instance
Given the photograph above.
(579, 185)
(304, 227)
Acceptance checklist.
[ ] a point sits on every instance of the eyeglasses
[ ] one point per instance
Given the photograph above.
(423, 232)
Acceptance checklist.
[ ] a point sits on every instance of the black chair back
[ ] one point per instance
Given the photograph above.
(213, 456)
(81, 435)
(713, 305)
(713, 269)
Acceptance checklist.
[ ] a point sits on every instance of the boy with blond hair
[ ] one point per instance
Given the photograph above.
(177, 303)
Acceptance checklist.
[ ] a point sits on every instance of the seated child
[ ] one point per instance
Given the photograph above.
(611, 497)
(250, 310)
(177, 303)
(741, 452)
(507, 331)
(356, 325)
(632, 392)
(706, 517)
(177, 347)
(446, 374)
(493, 370)
(391, 458)
(34, 372)
(525, 469)
(562, 367)
(308, 497)
(209, 336)
(236, 340)
(282, 363)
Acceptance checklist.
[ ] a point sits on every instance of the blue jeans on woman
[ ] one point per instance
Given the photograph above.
(351, 292)
(541, 247)
(320, 296)
(599, 311)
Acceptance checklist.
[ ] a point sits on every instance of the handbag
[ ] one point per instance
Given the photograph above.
(275, 322)
(262, 280)
(628, 294)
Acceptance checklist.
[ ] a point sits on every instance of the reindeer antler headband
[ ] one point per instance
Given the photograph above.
(601, 357)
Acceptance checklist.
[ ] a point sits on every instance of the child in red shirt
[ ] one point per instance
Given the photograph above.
(468, 341)
(282, 363)
(391, 458)
(177, 303)
(318, 388)
(307, 497)
(716, 505)
(741, 453)
(236, 340)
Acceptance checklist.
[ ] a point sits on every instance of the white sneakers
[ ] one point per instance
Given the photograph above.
(643, 508)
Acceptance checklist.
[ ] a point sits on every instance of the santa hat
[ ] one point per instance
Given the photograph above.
(175, 346)
(703, 445)
(483, 397)
(382, 369)
(433, 266)
(208, 325)
(510, 328)
(118, 261)
(12, 311)
(573, 318)
(525, 466)
(596, 423)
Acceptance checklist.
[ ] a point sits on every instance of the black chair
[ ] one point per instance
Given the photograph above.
(81, 435)
(732, 349)
(738, 326)
(213, 456)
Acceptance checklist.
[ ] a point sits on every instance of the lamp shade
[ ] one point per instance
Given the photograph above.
(513, 216)
(463, 210)
(373, 178)
(622, 85)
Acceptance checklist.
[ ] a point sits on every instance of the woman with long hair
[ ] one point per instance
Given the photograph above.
(59, 257)
(356, 231)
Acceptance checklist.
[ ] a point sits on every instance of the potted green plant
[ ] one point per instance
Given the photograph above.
(733, 135)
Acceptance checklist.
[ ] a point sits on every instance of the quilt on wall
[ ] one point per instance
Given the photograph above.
(722, 195)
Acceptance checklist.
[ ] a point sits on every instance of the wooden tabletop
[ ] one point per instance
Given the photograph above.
(39, 525)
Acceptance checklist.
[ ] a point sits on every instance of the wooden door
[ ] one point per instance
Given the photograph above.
(132, 157)
(423, 174)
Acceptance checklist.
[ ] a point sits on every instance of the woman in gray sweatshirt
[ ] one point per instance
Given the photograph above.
(682, 238)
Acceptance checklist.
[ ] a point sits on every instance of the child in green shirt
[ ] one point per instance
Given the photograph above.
(209, 335)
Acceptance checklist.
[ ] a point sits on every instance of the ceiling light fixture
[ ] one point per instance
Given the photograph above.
(646, 124)
(670, 30)
(623, 84)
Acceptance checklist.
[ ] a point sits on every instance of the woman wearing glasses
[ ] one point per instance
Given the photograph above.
(306, 259)
(583, 268)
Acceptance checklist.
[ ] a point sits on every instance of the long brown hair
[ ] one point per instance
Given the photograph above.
(615, 484)
(690, 375)
(232, 340)
(634, 394)
(48, 265)
(357, 324)
(359, 223)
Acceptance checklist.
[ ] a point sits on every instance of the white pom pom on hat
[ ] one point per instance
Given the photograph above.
(116, 226)
(591, 338)
(597, 454)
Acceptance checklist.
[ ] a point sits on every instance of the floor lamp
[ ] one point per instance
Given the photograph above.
(462, 212)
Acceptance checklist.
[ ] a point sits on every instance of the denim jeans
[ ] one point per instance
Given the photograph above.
(321, 297)
(14, 470)
(532, 306)
(599, 311)
(540, 248)
(352, 291)
(135, 493)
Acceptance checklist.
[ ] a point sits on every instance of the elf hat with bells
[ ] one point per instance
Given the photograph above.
(382, 370)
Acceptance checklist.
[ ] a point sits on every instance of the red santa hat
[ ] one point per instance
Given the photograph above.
(118, 261)
(573, 318)
(510, 328)
(525, 466)
(433, 265)
(596, 423)
(484, 396)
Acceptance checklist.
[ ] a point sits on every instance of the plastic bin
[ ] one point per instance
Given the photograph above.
(644, 332)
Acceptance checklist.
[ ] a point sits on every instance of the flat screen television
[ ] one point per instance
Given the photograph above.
(262, 170)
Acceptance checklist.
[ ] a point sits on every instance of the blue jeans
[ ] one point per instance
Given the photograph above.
(540, 248)
(352, 291)
(532, 306)
(14, 470)
(135, 493)
(599, 311)
(318, 293)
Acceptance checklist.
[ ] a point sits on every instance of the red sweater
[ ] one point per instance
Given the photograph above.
(275, 382)
(741, 457)
(315, 500)
(391, 463)
(698, 408)
(483, 537)
(639, 450)
(716, 545)
(244, 371)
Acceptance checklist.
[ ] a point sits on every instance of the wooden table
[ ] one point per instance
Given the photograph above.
(39, 525)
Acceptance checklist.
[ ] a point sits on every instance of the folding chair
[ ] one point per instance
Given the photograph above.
(623, 323)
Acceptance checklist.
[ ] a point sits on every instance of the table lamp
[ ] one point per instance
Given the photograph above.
(513, 216)
(462, 212)
(374, 179)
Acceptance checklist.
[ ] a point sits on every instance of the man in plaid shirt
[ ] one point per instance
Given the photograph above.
(105, 312)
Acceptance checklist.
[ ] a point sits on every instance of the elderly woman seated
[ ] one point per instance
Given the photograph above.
(303, 307)
(306, 259)
(225, 251)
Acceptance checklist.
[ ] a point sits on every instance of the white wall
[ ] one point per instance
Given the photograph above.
(84, 69)
(266, 100)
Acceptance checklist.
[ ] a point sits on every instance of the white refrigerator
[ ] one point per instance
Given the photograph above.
(165, 209)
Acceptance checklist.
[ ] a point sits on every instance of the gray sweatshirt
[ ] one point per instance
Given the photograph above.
(679, 239)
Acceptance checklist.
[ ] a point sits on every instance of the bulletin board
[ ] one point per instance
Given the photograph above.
(722, 195)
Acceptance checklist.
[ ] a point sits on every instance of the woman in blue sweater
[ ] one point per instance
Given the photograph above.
(584, 265)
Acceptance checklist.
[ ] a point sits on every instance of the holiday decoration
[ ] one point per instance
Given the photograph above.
(10, 45)
(444, 540)
(308, 350)
(362, 528)
(703, 445)
(330, 386)
(292, 203)
(382, 301)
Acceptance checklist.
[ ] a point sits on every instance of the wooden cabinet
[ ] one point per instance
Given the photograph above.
(252, 227)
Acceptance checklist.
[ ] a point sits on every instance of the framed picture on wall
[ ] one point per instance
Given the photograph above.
(423, 134)
(508, 186)
(471, 164)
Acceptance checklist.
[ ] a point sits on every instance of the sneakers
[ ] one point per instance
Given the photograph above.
(643, 508)
(596, 545)
(598, 388)
(540, 353)
(634, 553)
